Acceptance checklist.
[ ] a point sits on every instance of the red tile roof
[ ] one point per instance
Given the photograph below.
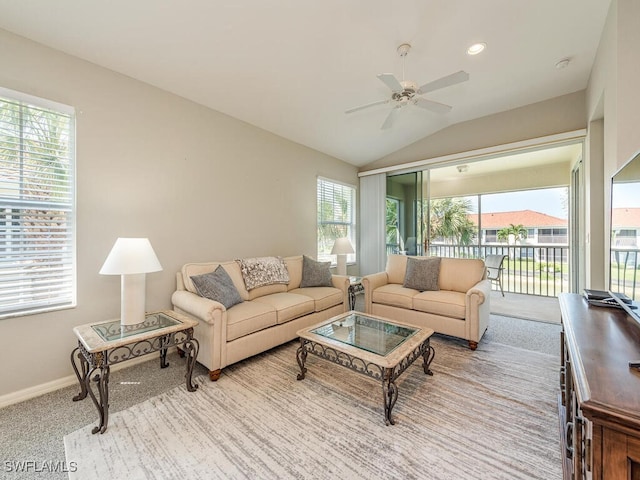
(625, 217)
(527, 218)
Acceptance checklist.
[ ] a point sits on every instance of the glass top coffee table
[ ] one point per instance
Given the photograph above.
(368, 344)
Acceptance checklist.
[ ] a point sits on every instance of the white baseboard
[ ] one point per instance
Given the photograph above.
(52, 386)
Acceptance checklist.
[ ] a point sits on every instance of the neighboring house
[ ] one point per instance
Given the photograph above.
(625, 227)
(625, 237)
(542, 229)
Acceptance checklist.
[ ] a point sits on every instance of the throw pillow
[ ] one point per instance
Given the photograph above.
(261, 271)
(218, 286)
(315, 274)
(422, 273)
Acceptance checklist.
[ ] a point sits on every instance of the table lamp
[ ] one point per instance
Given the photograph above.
(132, 259)
(342, 247)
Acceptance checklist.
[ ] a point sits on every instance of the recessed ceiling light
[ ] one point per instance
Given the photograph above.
(476, 48)
(564, 63)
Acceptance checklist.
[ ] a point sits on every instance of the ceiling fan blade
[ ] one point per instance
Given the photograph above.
(431, 105)
(388, 122)
(362, 107)
(447, 81)
(390, 80)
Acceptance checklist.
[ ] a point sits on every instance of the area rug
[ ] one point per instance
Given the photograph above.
(488, 414)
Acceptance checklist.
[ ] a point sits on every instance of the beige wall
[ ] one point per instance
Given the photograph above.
(557, 115)
(613, 108)
(201, 185)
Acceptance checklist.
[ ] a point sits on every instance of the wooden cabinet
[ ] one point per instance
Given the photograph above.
(599, 402)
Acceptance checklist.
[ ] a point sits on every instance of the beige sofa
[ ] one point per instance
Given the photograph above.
(459, 308)
(267, 317)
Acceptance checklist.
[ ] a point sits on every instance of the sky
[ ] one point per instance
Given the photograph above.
(552, 201)
(626, 195)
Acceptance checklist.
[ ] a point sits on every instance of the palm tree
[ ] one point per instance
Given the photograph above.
(392, 222)
(449, 220)
(512, 233)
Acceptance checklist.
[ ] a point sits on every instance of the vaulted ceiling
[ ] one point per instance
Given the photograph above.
(293, 67)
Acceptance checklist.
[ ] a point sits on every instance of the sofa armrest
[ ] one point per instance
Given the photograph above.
(199, 307)
(342, 283)
(370, 283)
(478, 309)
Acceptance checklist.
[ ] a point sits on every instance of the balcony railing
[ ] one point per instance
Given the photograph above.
(528, 269)
(625, 271)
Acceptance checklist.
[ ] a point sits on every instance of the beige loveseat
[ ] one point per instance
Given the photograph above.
(268, 315)
(459, 308)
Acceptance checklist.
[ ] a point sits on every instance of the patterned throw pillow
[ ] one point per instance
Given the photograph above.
(218, 286)
(315, 274)
(261, 271)
(422, 273)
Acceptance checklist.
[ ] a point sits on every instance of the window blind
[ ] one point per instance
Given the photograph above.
(37, 256)
(336, 216)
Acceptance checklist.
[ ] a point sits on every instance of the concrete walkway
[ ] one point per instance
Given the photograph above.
(529, 307)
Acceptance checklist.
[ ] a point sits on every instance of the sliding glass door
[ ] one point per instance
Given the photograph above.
(404, 213)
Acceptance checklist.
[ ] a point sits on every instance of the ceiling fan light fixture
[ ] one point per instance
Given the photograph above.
(407, 92)
(476, 48)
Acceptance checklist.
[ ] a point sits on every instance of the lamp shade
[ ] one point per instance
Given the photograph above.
(131, 255)
(342, 246)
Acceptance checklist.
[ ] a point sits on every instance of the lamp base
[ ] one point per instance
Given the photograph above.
(341, 264)
(132, 299)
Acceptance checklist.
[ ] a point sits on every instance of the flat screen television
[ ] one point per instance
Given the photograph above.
(625, 234)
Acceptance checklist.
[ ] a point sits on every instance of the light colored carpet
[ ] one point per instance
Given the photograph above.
(488, 414)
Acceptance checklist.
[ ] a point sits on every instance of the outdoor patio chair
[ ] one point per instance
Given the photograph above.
(494, 269)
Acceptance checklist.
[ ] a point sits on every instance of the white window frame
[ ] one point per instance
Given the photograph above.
(324, 248)
(37, 209)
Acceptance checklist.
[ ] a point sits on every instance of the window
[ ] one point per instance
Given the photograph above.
(37, 258)
(491, 235)
(336, 217)
(552, 235)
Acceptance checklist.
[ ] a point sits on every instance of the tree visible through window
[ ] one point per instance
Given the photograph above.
(37, 259)
(336, 217)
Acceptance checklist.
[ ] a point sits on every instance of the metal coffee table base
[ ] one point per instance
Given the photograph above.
(387, 376)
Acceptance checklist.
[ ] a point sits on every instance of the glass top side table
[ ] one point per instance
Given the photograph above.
(103, 344)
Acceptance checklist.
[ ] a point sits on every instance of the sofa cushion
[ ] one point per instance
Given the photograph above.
(396, 268)
(323, 297)
(261, 271)
(315, 274)
(267, 290)
(218, 286)
(249, 317)
(294, 267)
(394, 295)
(460, 274)
(288, 305)
(444, 302)
(422, 273)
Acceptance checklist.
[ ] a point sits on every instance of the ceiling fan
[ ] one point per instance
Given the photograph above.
(407, 92)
